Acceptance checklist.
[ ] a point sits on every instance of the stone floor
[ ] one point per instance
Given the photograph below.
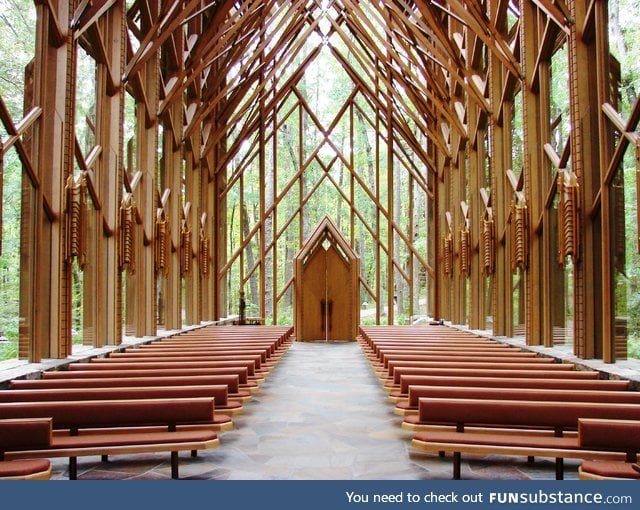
(320, 415)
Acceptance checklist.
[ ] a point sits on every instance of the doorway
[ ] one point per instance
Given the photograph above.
(327, 287)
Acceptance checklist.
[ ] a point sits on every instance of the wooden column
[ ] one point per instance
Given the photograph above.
(109, 122)
(208, 206)
(605, 143)
(141, 288)
(45, 300)
(533, 170)
(192, 223)
(476, 172)
(172, 180)
(220, 237)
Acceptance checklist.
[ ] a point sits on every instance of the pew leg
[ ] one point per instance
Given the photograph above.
(457, 460)
(441, 455)
(531, 459)
(194, 453)
(559, 468)
(73, 468)
(105, 458)
(174, 465)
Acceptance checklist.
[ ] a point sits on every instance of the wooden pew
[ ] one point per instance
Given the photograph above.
(407, 381)
(110, 427)
(535, 415)
(231, 381)
(190, 354)
(249, 365)
(385, 370)
(475, 367)
(240, 372)
(607, 434)
(507, 357)
(24, 433)
(442, 346)
(410, 408)
(394, 384)
(219, 393)
(252, 362)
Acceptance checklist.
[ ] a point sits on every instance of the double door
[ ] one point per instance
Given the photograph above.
(326, 299)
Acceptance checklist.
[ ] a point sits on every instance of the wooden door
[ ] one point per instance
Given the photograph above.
(339, 299)
(327, 296)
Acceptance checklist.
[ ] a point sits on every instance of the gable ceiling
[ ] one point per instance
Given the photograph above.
(427, 59)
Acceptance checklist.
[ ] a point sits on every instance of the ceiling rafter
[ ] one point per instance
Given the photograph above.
(226, 44)
(374, 70)
(159, 31)
(469, 13)
(454, 64)
(253, 70)
(376, 100)
(269, 107)
(226, 123)
(363, 35)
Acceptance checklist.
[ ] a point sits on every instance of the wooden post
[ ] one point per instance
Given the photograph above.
(45, 301)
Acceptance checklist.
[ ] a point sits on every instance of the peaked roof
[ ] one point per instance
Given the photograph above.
(326, 229)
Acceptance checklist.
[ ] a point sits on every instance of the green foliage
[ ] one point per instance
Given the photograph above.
(633, 347)
(17, 22)
(8, 350)
(368, 321)
(624, 44)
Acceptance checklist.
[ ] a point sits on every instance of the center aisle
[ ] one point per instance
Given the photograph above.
(321, 414)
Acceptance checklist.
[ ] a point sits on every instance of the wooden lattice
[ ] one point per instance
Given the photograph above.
(75, 215)
(186, 250)
(568, 231)
(128, 235)
(519, 236)
(464, 248)
(488, 248)
(204, 254)
(204, 88)
(163, 247)
(447, 255)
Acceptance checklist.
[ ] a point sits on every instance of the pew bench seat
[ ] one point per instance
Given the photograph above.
(105, 443)
(526, 445)
(411, 406)
(110, 427)
(232, 382)
(535, 415)
(394, 384)
(218, 392)
(608, 470)
(29, 469)
(27, 433)
(402, 393)
(619, 434)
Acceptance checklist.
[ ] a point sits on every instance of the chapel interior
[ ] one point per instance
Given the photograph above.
(319, 239)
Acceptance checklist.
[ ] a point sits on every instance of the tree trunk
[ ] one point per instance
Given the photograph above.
(340, 183)
(368, 212)
(397, 217)
(618, 40)
(253, 285)
(289, 253)
(269, 193)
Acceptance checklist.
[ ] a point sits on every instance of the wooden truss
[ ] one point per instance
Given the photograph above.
(219, 184)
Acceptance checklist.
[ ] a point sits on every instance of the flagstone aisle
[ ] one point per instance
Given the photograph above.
(321, 415)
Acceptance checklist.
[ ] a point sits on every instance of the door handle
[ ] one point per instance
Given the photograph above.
(323, 313)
